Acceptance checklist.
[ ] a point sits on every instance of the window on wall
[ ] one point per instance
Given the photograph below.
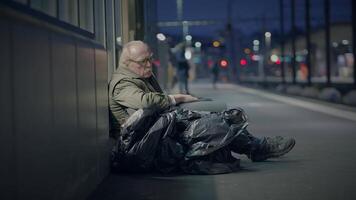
(76, 15)
(317, 37)
(68, 11)
(86, 15)
(46, 6)
(113, 33)
(117, 5)
(118, 36)
(341, 56)
(21, 1)
(287, 59)
(300, 42)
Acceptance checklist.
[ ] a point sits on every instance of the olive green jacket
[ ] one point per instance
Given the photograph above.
(129, 92)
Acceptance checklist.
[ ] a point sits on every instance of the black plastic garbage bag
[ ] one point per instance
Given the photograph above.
(179, 140)
(210, 131)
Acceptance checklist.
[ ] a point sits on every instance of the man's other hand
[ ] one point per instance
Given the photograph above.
(184, 98)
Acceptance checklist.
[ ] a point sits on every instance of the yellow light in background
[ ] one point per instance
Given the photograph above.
(247, 51)
(216, 43)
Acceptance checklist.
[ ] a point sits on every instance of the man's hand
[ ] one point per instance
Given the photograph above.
(184, 98)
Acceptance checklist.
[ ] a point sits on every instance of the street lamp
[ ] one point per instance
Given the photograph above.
(268, 34)
(161, 37)
(263, 61)
(268, 39)
(256, 45)
(188, 37)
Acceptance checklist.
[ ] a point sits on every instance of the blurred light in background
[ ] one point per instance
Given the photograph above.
(216, 43)
(299, 58)
(256, 45)
(345, 42)
(243, 62)
(188, 37)
(274, 58)
(247, 51)
(224, 63)
(210, 63)
(197, 44)
(161, 36)
(118, 41)
(268, 34)
(188, 54)
(255, 57)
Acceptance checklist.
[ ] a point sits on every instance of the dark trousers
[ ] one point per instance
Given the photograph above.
(246, 143)
(183, 81)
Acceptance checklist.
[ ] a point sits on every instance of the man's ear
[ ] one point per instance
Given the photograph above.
(126, 62)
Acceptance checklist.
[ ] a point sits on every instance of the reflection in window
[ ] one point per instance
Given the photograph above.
(300, 42)
(341, 57)
(118, 38)
(86, 15)
(68, 11)
(317, 54)
(287, 59)
(21, 1)
(47, 6)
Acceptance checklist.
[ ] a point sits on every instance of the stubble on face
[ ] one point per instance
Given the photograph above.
(142, 52)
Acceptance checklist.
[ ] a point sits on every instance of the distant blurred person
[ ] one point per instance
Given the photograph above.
(172, 68)
(183, 74)
(215, 74)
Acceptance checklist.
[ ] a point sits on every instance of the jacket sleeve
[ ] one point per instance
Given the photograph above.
(130, 95)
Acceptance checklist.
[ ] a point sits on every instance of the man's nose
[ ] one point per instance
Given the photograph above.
(148, 64)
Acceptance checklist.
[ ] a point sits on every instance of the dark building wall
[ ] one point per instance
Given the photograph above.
(54, 112)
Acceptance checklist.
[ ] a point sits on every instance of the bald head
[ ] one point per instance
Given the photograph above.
(136, 56)
(134, 50)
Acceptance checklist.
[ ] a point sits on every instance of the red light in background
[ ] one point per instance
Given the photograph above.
(210, 64)
(243, 62)
(278, 62)
(157, 63)
(255, 58)
(223, 63)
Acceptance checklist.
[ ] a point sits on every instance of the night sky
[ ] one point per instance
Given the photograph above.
(247, 15)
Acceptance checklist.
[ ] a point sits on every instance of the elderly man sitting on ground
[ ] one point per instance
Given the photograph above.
(133, 87)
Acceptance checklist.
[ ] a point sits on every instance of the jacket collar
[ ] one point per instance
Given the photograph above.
(124, 71)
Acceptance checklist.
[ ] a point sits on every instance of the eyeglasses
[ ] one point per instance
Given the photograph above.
(144, 61)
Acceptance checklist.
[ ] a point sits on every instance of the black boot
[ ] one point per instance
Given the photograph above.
(272, 148)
